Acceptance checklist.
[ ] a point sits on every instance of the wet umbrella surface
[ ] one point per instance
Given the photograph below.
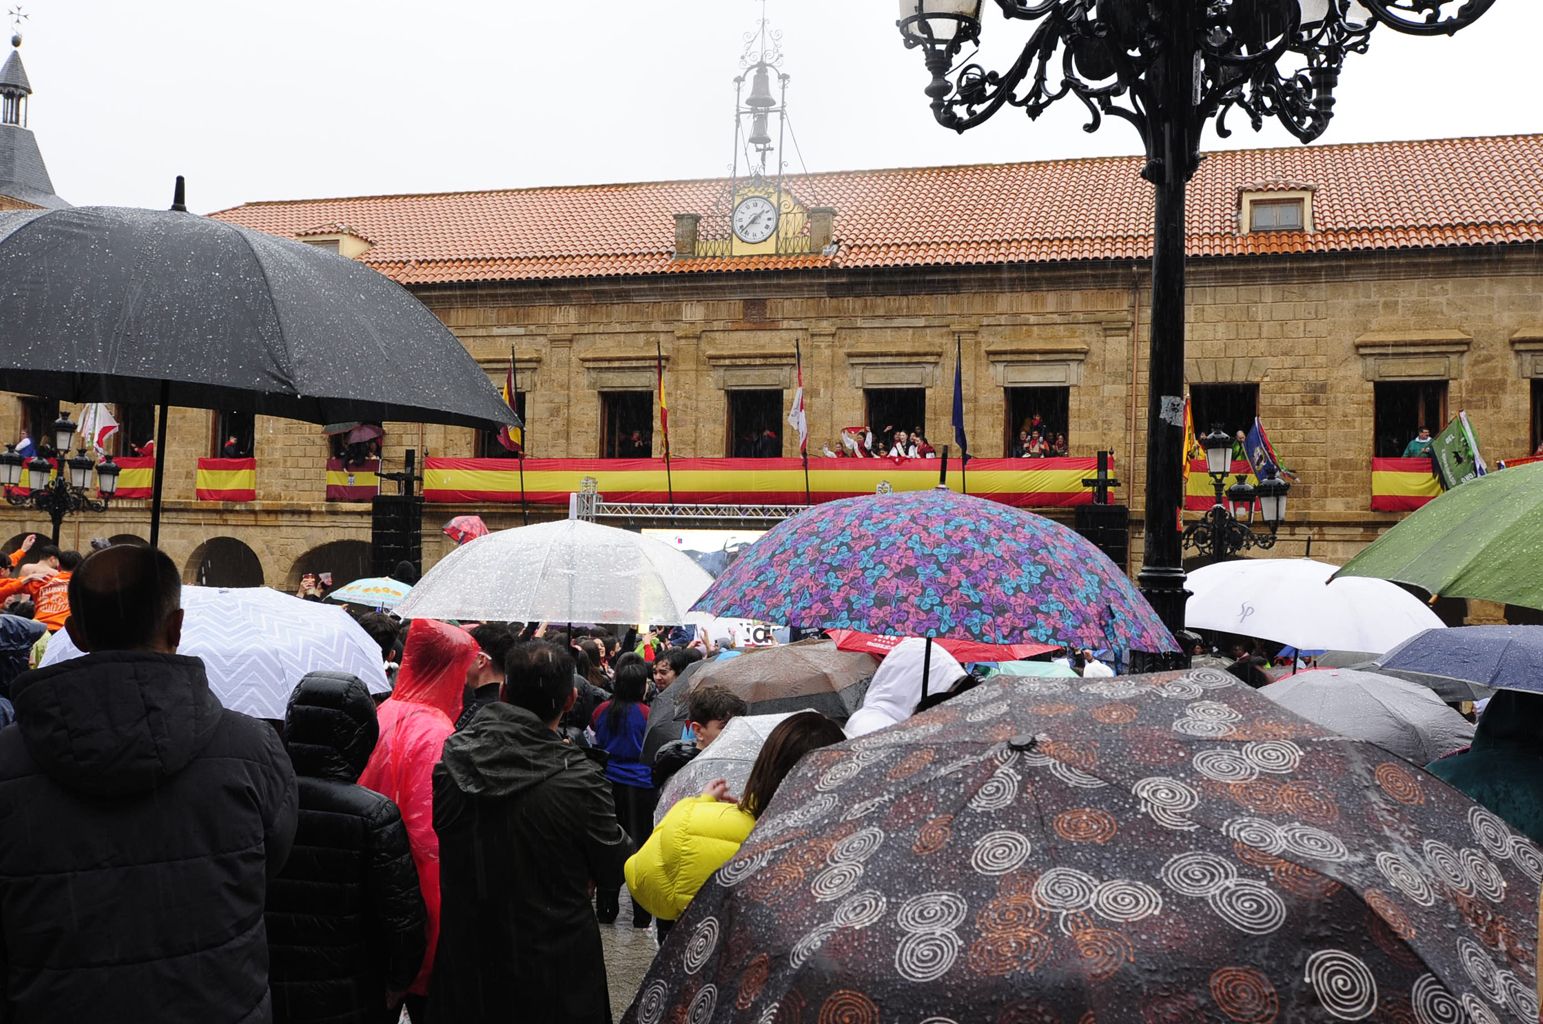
(1167, 848)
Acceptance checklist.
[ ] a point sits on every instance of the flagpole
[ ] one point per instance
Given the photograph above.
(958, 416)
(519, 453)
(664, 420)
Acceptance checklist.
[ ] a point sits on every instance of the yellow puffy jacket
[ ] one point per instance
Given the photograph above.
(697, 837)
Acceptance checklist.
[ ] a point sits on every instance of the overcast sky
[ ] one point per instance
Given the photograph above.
(290, 99)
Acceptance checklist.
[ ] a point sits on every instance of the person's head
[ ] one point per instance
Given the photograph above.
(330, 727)
(540, 680)
(1244, 647)
(1424, 434)
(386, 632)
(1240, 437)
(1191, 643)
(671, 665)
(1033, 435)
(405, 572)
(1023, 435)
(794, 737)
(47, 554)
(493, 643)
(594, 658)
(69, 561)
(127, 598)
(231, 439)
(629, 658)
(631, 682)
(710, 708)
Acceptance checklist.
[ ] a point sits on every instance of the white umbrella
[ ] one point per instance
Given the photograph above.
(376, 592)
(565, 571)
(1291, 601)
(257, 643)
(1404, 718)
(729, 757)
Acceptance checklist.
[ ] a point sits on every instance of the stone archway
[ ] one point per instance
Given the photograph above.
(223, 562)
(346, 560)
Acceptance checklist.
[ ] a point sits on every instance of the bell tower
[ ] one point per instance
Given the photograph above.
(24, 181)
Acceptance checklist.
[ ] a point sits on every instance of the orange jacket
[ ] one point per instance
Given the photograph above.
(51, 596)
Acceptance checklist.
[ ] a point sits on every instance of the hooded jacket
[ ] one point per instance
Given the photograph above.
(697, 837)
(526, 825)
(897, 685)
(345, 917)
(414, 722)
(139, 824)
(1503, 769)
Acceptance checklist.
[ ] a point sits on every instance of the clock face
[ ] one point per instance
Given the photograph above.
(755, 218)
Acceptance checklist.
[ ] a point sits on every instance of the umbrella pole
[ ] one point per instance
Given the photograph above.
(159, 476)
(926, 666)
(524, 508)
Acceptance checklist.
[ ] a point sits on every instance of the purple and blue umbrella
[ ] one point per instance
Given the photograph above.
(938, 564)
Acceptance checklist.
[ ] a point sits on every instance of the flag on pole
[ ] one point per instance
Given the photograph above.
(797, 418)
(958, 418)
(97, 424)
(1456, 453)
(512, 437)
(664, 408)
(1261, 456)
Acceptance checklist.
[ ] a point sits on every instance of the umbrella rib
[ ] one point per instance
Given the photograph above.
(282, 354)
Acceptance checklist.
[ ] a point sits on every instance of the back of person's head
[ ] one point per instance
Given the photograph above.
(43, 552)
(69, 561)
(625, 659)
(495, 641)
(25, 609)
(694, 655)
(631, 683)
(405, 572)
(126, 598)
(793, 737)
(330, 727)
(386, 632)
(539, 678)
(715, 704)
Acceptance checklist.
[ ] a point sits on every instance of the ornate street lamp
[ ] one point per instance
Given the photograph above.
(57, 494)
(1168, 67)
(1227, 528)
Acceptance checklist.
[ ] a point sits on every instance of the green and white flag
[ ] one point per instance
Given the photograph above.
(1456, 453)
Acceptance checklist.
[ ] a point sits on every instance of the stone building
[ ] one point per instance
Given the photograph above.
(1344, 294)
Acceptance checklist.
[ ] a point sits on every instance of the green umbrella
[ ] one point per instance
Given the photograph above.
(1481, 540)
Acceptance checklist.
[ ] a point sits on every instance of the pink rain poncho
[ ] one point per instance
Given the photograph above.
(414, 724)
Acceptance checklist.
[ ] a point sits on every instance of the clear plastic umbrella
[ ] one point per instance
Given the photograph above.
(729, 757)
(257, 643)
(566, 571)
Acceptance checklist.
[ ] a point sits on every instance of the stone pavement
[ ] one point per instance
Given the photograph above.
(628, 952)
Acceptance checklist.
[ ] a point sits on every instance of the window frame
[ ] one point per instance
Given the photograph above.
(606, 397)
(1436, 423)
(731, 422)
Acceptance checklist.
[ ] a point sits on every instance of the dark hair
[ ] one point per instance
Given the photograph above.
(386, 632)
(24, 609)
(627, 658)
(495, 641)
(627, 689)
(42, 551)
(69, 561)
(405, 572)
(794, 737)
(678, 658)
(591, 670)
(539, 679)
(694, 655)
(715, 704)
(120, 597)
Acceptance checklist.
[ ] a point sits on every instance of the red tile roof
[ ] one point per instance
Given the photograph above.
(1438, 193)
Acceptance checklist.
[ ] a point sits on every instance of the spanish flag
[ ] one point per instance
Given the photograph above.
(512, 438)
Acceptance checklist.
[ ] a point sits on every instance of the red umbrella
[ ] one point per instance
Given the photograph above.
(465, 528)
(964, 650)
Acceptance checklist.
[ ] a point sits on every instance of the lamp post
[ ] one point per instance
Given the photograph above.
(58, 494)
(1168, 68)
(1227, 528)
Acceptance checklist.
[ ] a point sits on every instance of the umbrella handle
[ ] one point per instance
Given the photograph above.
(926, 666)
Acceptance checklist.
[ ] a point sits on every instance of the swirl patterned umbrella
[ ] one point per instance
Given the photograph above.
(1166, 848)
(938, 564)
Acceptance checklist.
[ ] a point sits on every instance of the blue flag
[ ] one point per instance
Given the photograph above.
(958, 420)
(25, 448)
(1261, 457)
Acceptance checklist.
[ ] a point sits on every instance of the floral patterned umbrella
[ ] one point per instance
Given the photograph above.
(1149, 849)
(934, 563)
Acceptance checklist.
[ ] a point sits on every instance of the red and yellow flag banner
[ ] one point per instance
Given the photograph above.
(358, 482)
(1403, 485)
(136, 477)
(226, 480)
(1024, 483)
(1200, 493)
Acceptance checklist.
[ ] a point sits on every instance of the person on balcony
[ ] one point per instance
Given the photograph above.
(1420, 446)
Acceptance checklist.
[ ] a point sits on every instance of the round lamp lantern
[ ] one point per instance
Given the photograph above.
(1218, 452)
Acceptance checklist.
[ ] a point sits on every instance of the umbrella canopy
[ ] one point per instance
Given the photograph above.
(1397, 715)
(1470, 542)
(257, 644)
(465, 528)
(1498, 657)
(1291, 601)
(565, 571)
(962, 650)
(377, 592)
(108, 304)
(729, 757)
(1034, 669)
(1153, 848)
(934, 563)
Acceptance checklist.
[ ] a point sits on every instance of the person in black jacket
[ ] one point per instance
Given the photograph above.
(345, 917)
(525, 826)
(139, 821)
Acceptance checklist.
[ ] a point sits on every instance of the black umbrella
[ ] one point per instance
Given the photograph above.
(1166, 848)
(167, 307)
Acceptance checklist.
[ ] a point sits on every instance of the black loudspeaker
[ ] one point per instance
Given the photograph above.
(1108, 527)
(396, 532)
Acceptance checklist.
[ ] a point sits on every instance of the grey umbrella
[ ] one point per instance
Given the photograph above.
(1399, 716)
(167, 307)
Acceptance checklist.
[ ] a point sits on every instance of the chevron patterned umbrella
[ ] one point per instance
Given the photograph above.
(257, 643)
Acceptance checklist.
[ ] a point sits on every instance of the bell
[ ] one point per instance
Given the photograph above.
(759, 136)
(760, 90)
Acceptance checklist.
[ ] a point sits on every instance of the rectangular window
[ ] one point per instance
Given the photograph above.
(1275, 215)
(234, 435)
(488, 446)
(1537, 415)
(136, 428)
(754, 429)
(1403, 409)
(37, 421)
(892, 410)
(627, 425)
(1035, 410)
(1229, 407)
